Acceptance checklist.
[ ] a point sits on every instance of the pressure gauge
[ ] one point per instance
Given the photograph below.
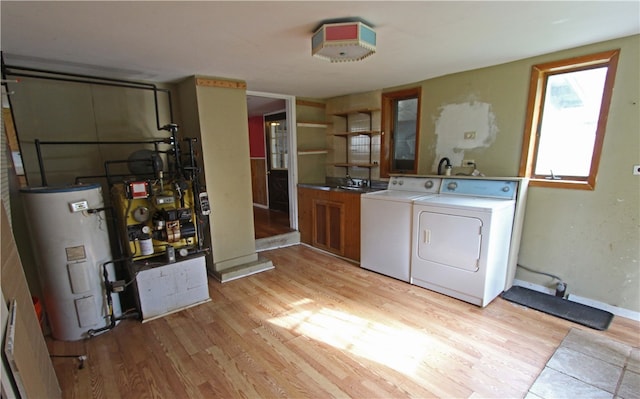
(141, 214)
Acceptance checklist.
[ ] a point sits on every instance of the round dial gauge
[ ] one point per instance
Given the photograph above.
(141, 214)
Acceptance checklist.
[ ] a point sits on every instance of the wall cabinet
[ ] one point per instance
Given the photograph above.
(330, 220)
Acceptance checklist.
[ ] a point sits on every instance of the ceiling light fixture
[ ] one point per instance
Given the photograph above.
(343, 41)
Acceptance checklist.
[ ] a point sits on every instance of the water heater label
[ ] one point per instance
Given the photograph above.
(79, 206)
(75, 253)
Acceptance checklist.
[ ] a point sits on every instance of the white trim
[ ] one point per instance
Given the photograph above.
(290, 109)
(626, 313)
(622, 312)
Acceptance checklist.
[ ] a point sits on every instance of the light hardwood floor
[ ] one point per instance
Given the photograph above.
(319, 327)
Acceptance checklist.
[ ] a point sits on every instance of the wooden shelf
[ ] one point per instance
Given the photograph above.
(312, 152)
(358, 133)
(350, 130)
(355, 165)
(357, 111)
(313, 124)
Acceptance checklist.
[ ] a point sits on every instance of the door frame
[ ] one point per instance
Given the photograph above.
(290, 110)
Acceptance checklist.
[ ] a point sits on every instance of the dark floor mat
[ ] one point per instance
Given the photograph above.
(556, 306)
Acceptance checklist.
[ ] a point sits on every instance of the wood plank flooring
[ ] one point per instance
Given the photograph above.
(269, 223)
(319, 327)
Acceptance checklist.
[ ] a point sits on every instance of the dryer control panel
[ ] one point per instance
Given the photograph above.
(505, 189)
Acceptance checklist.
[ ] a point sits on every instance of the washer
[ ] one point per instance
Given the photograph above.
(462, 239)
(385, 238)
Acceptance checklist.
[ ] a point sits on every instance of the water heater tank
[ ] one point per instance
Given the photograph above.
(70, 245)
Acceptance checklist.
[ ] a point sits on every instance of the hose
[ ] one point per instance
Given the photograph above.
(539, 272)
(561, 286)
(109, 289)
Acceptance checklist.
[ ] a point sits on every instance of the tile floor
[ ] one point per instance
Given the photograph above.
(587, 365)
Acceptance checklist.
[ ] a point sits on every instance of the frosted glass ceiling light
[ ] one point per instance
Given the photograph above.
(344, 41)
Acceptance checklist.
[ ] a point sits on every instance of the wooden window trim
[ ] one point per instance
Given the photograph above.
(535, 103)
(386, 144)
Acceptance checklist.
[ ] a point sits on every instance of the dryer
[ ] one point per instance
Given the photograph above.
(385, 224)
(462, 239)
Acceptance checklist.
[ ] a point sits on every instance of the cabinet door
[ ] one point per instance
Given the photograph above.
(328, 226)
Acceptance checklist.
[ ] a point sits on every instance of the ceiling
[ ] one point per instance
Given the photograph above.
(268, 44)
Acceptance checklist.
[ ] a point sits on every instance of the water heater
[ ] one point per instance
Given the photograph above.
(68, 229)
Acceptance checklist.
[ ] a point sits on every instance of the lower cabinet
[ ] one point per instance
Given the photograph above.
(328, 226)
(330, 220)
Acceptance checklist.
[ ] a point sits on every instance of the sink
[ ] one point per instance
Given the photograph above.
(332, 187)
(351, 188)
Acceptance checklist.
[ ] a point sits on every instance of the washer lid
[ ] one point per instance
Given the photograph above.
(395, 195)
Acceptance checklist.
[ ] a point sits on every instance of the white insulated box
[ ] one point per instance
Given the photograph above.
(172, 287)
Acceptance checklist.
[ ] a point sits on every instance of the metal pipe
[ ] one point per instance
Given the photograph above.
(81, 78)
(78, 178)
(163, 141)
(43, 177)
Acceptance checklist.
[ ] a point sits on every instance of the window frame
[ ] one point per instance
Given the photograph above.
(387, 123)
(535, 104)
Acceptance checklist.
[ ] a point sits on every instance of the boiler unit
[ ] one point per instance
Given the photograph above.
(159, 221)
(71, 246)
(156, 218)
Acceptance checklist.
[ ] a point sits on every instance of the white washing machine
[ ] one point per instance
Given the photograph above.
(462, 239)
(385, 235)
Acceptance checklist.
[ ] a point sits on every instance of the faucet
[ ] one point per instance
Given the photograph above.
(446, 162)
(350, 181)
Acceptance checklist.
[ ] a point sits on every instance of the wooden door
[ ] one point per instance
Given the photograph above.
(278, 161)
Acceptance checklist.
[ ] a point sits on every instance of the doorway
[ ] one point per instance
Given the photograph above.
(276, 137)
(274, 176)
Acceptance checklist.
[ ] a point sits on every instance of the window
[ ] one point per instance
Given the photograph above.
(566, 120)
(400, 127)
(278, 141)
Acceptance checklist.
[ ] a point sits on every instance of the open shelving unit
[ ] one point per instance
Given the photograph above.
(320, 150)
(312, 149)
(352, 131)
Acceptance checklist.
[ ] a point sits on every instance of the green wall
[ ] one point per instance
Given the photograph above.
(591, 239)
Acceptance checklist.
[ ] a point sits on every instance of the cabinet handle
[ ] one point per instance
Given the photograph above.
(427, 236)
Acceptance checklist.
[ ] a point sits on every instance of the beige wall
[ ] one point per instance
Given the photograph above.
(223, 132)
(589, 238)
(64, 111)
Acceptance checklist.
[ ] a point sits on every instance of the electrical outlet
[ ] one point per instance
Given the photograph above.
(468, 162)
(636, 169)
(470, 135)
